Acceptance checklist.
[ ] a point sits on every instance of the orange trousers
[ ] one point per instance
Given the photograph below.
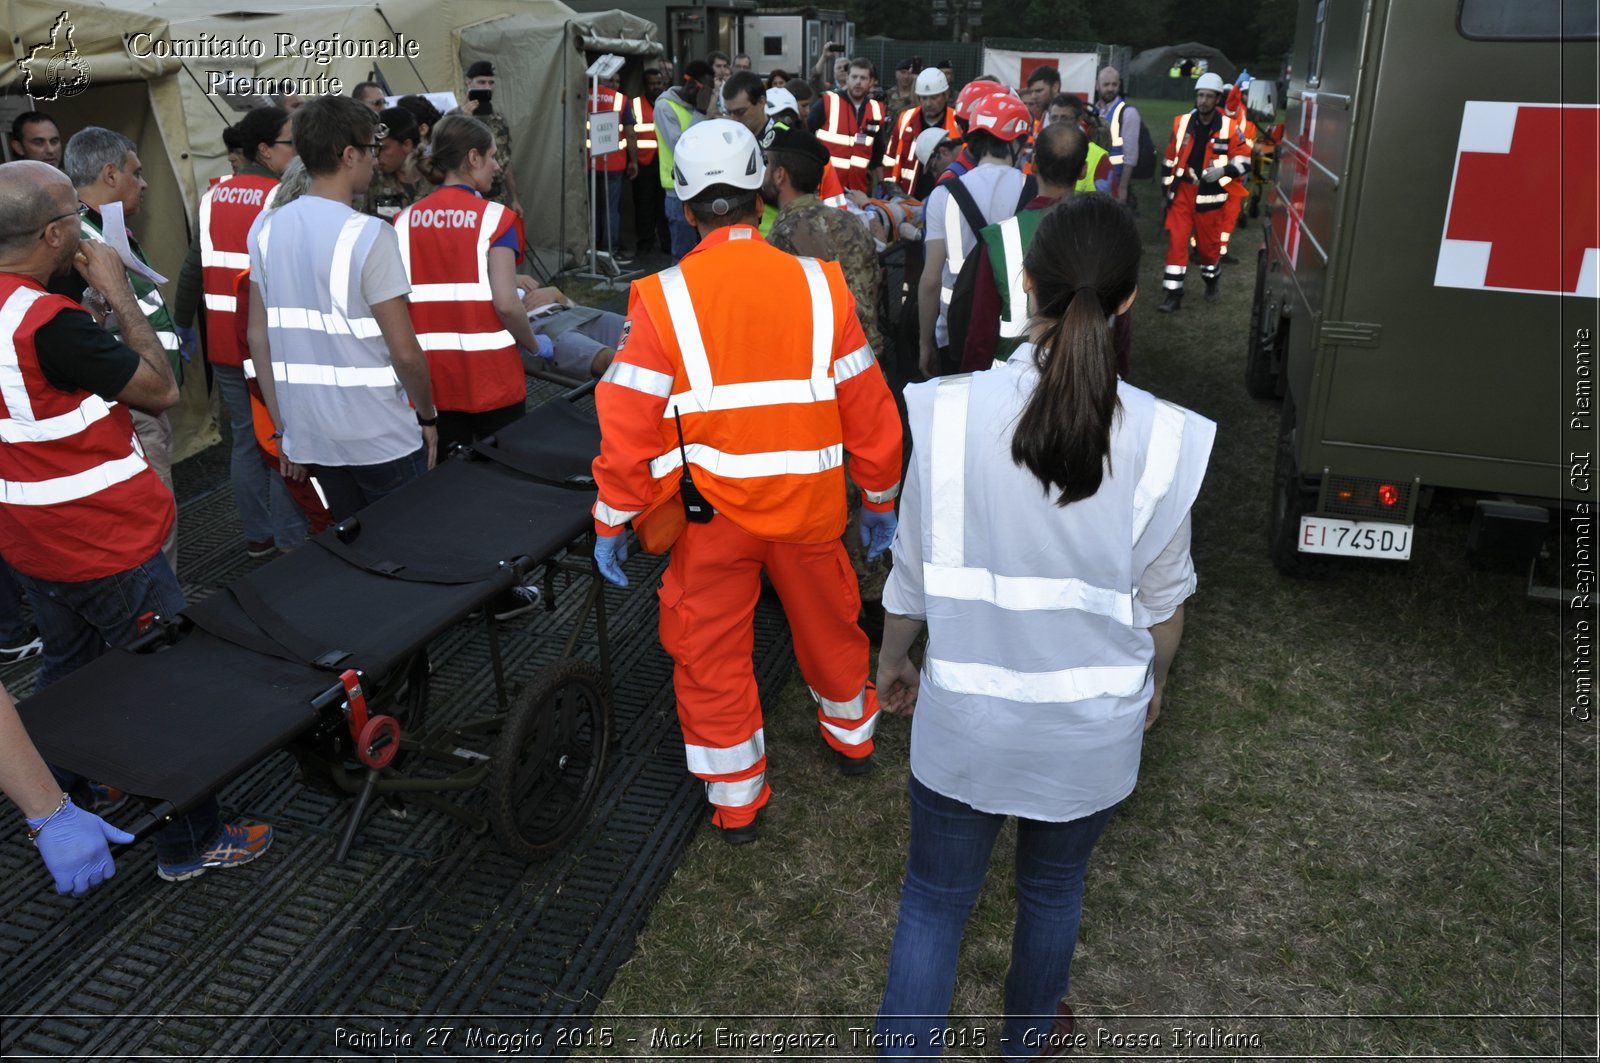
(708, 601)
(1207, 226)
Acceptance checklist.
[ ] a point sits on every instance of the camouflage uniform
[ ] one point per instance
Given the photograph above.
(896, 103)
(388, 195)
(496, 122)
(809, 227)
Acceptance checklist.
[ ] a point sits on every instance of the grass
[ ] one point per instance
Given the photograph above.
(1352, 807)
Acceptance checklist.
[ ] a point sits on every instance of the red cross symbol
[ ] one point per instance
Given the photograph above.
(1302, 177)
(1525, 206)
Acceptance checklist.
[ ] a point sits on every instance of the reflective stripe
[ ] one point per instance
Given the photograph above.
(1172, 278)
(465, 341)
(686, 327)
(1026, 593)
(338, 376)
(749, 466)
(842, 710)
(1037, 688)
(13, 386)
(250, 369)
(168, 340)
(853, 364)
(614, 517)
(949, 461)
(71, 488)
(726, 760)
(837, 201)
(314, 320)
(736, 794)
(225, 259)
(1160, 466)
(402, 229)
(637, 377)
(882, 496)
(852, 736)
(339, 274)
(449, 293)
(317, 487)
(821, 321)
(1015, 321)
(224, 303)
(752, 393)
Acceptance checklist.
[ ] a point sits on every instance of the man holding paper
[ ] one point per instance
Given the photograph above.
(104, 167)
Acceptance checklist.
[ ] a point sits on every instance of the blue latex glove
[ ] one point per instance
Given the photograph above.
(610, 551)
(546, 348)
(188, 342)
(877, 531)
(73, 846)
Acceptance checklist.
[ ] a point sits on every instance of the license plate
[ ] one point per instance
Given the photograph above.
(1355, 538)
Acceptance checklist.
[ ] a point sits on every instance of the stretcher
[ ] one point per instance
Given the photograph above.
(323, 651)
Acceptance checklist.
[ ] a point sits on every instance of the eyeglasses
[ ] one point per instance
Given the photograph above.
(371, 149)
(289, 142)
(79, 212)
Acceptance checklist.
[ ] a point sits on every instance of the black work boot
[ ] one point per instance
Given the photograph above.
(1173, 301)
(1211, 289)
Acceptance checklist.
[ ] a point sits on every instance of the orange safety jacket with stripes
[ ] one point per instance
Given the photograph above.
(1225, 147)
(78, 500)
(900, 162)
(848, 141)
(227, 211)
(609, 99)
(445, 238)
(772, 392)
(644, 130)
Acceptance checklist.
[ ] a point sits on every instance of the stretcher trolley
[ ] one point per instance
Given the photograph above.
(324, 652)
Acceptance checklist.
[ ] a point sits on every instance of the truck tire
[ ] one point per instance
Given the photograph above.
(1260, 376)
(1291, 500)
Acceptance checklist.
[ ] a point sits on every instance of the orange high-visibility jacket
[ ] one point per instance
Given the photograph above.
(849, 144)
(227, 211)
(444, 241)
(644, 130)
(900, 162)
(774, 386)
(1225, 148)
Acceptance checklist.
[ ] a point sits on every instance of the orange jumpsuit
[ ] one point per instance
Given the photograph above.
(761, 355)
(1195, 204)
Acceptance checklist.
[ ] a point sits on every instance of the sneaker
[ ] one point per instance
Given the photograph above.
(104, 800)
(518, 600)
(238, 844)
(31, 645)
(259, 548)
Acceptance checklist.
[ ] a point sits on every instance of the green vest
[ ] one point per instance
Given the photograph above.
(1008, 242)
(150, 301)
(663, 149)
(1086, 182)
(769, 214)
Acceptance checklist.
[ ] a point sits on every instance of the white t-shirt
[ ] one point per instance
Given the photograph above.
(320, 266)
(995, 187)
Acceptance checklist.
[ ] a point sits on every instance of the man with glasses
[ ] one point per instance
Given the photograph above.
(331, 339)
(83, 515)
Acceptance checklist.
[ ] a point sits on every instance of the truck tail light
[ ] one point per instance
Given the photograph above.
(1368, 498)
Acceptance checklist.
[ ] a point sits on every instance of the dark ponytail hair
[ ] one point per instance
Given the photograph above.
(259, 126)
(451, 141)
(1084, 261)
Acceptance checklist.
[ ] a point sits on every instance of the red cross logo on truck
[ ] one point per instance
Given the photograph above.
(1302, 177)
(1524, 212)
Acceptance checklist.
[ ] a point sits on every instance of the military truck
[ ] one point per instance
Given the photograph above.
(1428, 287)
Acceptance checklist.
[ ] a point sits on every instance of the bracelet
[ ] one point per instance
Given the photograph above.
(34, 832)
(428, 422)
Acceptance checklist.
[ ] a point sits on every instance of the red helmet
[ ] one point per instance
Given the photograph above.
(1004, 116)
(971, 94)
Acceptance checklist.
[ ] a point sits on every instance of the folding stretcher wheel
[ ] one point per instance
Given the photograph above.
(549, 760)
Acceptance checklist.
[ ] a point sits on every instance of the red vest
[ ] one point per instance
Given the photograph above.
(472, 359)
(900, 162)
(849, 144)
(609, 99)
(644, 130)
(227, 211)
(78, 500)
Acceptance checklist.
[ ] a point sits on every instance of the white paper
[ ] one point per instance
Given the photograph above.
(115, 231)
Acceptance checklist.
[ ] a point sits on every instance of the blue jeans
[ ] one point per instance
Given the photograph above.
(608, 222)
(683, 236)
(266, 509)
(13, 629)
(351, 488)
(81, 621)
(945, 868)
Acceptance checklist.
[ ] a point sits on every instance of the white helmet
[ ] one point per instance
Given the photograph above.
(931, 82)
(927, 143)
(1210, 82)
(781, 99)
(716, 152)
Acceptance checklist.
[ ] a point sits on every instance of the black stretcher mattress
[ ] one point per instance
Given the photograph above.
(177, 724)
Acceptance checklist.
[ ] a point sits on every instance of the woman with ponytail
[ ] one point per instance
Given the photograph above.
(1044, 542)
